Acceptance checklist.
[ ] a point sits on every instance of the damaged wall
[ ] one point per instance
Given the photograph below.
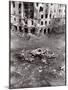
(38, 15)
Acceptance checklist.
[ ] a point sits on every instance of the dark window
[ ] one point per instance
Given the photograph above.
(41, 22)
(48, 30)
(50, 15)
(20, 20)
(46, 15)
(59, 10)
(51, 4)
(26, 30)
(37, 4)
(20, 28)
(19, 5)
(45, 22)
(44, 30)
(41, 16)
(25, 22)
(32, 22)
(33, 30)
(25, 5)
(14, 19)
(40, 30)
(13, 3)
(15, 28)
(41, 9)
(19, 11)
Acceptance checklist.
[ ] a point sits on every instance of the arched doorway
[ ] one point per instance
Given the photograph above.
(45, 31)
(48, 30)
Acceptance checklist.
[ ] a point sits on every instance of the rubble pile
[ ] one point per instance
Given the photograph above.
(37, 67)
(44, 52)
(39, 55)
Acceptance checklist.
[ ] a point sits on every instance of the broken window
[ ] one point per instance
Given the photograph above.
(13, 3)
(41, 9)
(41, 16)
(41, 22)
(46, 15)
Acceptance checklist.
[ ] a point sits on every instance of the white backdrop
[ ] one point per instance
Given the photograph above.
(4, 44)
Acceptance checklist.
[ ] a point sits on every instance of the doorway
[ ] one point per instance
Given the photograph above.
(45, 31)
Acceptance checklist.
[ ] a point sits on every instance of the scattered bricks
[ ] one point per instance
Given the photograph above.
(39, 55)
(44, 61)
(50, 54)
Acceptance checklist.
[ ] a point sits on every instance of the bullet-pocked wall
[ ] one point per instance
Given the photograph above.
(33, 15)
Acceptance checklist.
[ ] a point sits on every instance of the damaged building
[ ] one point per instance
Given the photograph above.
(35, 18)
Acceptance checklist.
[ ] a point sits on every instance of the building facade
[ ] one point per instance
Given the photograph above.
(38, 17)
